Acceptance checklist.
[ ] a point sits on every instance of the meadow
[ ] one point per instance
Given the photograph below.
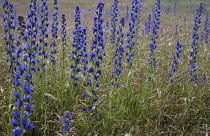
(106, 68)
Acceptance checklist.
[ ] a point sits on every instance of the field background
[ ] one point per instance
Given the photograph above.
(136, 108)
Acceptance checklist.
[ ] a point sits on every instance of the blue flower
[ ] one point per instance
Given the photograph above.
(54, 33)
(66, 122)
(14, 121)
(28, 89)
(148, 25)
(78, 54)
(15, 114)
(9, 25)
(113, 21)
(133, 29)
(43, 27)
(16, 132)
(16, 94)
(118, 52)
(155, 27)
(95, 57)
(29, 107)
(195, 43)
(175, 60)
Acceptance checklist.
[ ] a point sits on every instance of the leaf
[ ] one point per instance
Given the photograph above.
(83, 103)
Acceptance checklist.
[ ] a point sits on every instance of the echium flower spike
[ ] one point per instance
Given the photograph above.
(176, 60)
(106, 30)
(96, 56)
(83, 52)
(154, 36)
(137, 14)
(133, 30)
(195, 43)
(9, 25)
(43, 34)
(204, 80)
(148, 25)
(63, 38)
(207, 29)
(66, 123)
(21, 114)
(31, 35)
(114, 21)
(54, 34)
(118, 53)
(77, 47)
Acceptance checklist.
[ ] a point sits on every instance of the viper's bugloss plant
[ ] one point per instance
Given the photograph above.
(54, 34)
(204, 80)
(20, 119)
(195, 44)
(113, 29)
(113, 23)
(83, 52)
(9, 25)
(133, 26)
(176, 60)
(107, 30)
(148, 25)
(118, 53)
(77, 47)
(63, 38)
(136, 12)
(127, 12)
(96, 56)
(22, 83)
(206, 29)
(155, 28)
(43, 27)
(31, 36)
(66, 123)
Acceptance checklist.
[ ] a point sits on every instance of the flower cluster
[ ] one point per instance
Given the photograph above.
(21, 29)
(77, 47)
(118, 52)
(63, 37)
(22, 83)
(133, 29)
(54, 33)
(106, 30)
(43, 34)
(136, 13)
(207, 29)
(23, 108)
(66, 122)
(195, 43)
(31, 35)
(113, 21)
(155, 28)
(83, 52)
(148, 25)
(9, 25)
(19, 70)
(96, 56)
(175, 60)
(204, 80)
(127, 12)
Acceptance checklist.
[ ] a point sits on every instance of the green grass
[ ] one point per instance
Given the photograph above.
(137, 107)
